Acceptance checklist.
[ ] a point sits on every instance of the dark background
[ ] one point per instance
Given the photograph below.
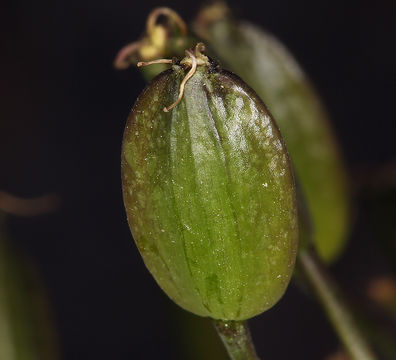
(62, 117)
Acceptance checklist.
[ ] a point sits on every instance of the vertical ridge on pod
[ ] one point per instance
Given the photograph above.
(175, 140)
(220, 281)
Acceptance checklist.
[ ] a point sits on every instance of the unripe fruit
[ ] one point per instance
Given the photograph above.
(209, 192)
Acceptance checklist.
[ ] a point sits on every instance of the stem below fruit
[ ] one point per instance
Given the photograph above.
(337, 310)
(236, 339)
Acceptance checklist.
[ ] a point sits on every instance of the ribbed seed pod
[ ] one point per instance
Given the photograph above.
(267, 66)
(209, 193)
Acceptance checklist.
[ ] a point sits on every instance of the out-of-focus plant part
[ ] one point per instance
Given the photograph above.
(209, 191)
(7, 349)
(15, 205)
(26, 326)
(376, 187)
(339, 355)
(197, 337)
(381, 336)
(382, 291)
(267, 66)
(160, 40)
(313, 276)
(354, 327)
(336, 307)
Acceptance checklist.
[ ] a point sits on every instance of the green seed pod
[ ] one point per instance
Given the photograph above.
(209, 192)
(266, 65)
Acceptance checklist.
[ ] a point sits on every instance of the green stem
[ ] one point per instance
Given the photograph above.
(335, 306)
(236, 339)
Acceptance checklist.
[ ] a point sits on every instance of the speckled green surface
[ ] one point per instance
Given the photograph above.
(209, 194)
(266, 65)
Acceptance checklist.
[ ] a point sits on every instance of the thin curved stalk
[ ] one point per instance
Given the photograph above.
(337, 310)
(236, 339)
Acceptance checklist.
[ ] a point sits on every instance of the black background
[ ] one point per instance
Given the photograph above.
(62, 117)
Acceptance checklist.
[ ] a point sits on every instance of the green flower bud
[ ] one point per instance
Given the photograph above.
(209, 191)
(267, 66)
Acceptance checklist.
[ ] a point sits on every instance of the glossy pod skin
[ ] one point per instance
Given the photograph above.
(267, 66)
(209, 194)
